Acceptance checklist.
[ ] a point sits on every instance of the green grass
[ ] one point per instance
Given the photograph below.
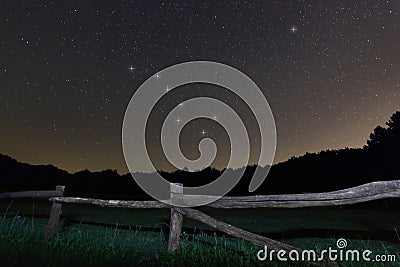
(333, 220)
(22, 244)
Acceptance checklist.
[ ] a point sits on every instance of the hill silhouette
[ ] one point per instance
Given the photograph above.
(327, 170)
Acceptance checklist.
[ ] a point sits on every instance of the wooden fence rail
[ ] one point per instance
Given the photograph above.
(362, 193)
(55, 211)
(32, 194)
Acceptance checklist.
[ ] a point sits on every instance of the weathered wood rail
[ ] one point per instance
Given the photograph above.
(359, 194)
(55, 211)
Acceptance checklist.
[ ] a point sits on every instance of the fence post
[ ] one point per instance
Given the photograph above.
(175, 227)
(55, 213)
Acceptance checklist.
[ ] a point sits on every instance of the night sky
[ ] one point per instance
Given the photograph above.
(330, 71)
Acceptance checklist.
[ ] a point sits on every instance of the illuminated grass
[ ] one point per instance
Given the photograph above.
(22, 244)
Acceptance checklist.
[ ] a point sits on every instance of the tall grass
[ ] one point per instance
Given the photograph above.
(22, 244)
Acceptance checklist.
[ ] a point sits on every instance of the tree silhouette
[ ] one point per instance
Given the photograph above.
(378, 137)
(386, 139)
(394, 121)
(327, 170)
(394, 129)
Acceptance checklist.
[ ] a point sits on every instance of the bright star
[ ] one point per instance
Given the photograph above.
(131, 68)
(157, 76)
(203, 132)
(178, 120)
(293, 29)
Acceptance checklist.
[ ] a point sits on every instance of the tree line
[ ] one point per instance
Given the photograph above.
(327, 170)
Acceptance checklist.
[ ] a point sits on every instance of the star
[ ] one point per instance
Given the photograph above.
(310, 70)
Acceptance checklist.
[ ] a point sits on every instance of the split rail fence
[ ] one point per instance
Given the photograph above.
(359, 194)
(55, 211)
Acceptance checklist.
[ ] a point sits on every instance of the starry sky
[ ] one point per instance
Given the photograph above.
(330, 71)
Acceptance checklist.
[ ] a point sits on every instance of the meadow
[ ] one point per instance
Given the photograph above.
(94, 236)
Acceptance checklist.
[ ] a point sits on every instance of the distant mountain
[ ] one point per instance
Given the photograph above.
(14, 174)
(17, 176)
(327, 170)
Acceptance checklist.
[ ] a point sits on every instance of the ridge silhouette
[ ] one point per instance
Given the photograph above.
(325, 171)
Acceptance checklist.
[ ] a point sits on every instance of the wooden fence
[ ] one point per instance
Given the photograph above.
(55, 211)
(359, 194)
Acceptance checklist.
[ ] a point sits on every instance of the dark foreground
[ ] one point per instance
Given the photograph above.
(92, 236)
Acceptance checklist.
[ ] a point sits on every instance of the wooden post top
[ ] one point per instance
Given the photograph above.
(176, 188)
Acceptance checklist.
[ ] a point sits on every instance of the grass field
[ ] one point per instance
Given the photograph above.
(121, 237)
